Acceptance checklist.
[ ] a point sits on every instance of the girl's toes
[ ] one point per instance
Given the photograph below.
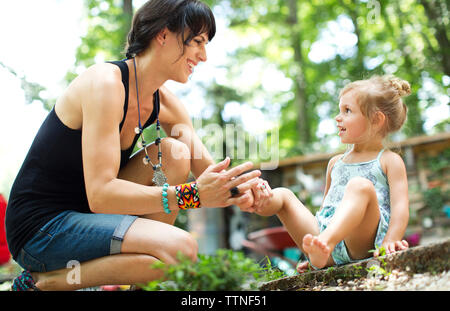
(308, 239)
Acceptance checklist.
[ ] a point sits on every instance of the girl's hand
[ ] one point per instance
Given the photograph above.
(259, 195)
(247, 204)
(215, 183)
(392, 247)
(263, 193)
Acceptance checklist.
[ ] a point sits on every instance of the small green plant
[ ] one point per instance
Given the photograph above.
(381, 253)
(224, 271)
(330, 269)
(379, 269)
(357, 272)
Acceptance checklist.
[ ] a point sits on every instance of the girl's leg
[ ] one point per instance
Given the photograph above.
(355, 221)
(296, 218)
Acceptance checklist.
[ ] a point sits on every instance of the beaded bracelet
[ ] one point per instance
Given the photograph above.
(165, 200)
(187, 196)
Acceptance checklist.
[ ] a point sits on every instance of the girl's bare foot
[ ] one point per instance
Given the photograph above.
(318, 252)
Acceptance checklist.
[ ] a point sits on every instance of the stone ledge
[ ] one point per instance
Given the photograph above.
(428, 258)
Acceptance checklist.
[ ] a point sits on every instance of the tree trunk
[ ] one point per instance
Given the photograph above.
(357, 71)
(128, 12)
(299, 79)
(436, 16)
(414, 120)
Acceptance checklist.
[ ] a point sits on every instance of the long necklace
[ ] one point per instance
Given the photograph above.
(159, 179)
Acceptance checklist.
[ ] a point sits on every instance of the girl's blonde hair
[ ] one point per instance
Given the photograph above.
(384, 94)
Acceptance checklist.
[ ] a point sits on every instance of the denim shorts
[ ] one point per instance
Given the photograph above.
(74, 236)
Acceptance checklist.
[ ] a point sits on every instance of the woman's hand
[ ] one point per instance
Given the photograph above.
(392, 247)
(215, 183)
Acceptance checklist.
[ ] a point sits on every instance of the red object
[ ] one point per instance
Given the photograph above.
(270, 242)
(275, 238)
(110, 288)
(413, 239)
(4, 251)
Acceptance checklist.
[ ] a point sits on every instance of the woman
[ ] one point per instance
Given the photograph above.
(79, 196)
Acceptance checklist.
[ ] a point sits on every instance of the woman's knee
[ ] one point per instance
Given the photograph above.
(190, 248)
(184, 245)
(159, 240)
(177, 157)
(175, 149)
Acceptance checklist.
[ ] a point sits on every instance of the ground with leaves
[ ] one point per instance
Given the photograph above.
(418, 268)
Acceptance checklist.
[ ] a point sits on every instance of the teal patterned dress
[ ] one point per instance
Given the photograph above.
(341, 174)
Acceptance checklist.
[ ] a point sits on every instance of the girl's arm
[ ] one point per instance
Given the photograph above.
(395, 170)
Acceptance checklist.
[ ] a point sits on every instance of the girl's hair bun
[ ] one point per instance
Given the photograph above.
(384, 94)
(403, 88)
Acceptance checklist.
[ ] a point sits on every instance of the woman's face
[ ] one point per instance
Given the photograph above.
(182, 64)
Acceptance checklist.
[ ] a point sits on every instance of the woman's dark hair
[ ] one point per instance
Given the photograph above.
(176, 15)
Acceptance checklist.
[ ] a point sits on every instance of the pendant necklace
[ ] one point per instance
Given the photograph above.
(159, 179)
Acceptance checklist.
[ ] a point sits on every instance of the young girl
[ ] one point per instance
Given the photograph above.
(366, 193)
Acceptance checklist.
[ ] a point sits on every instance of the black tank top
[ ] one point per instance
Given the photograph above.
(51, 178)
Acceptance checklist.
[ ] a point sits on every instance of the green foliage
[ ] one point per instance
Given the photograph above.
(439, 162)
(399, 37)
(226, 270)
(379, 269)
(382, 252)
(108, 23)
(435, 198)
(32, 90)
(407, 38)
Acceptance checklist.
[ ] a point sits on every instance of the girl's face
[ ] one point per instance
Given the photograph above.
(182, 64)
(352, 124)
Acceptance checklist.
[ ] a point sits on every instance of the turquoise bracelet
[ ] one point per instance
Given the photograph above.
(165, 200)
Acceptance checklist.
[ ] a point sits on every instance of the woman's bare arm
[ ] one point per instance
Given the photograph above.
(102, 108)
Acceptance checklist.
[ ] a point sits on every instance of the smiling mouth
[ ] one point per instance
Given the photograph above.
(341, 130)
(191, 66)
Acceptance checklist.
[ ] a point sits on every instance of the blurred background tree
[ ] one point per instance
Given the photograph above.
(289, 59)
(322, 45)
(108, 23)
